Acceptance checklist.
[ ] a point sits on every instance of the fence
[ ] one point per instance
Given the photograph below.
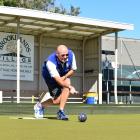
(33, 99)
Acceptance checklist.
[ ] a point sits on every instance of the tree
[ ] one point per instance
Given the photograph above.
(1, 2)
(45, 5)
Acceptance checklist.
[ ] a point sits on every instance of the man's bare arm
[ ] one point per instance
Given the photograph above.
(69, 74)
(61, 80)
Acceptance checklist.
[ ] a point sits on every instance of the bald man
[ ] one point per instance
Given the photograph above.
(57, 70)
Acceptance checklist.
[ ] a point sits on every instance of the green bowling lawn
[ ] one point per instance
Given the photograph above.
(97, 127)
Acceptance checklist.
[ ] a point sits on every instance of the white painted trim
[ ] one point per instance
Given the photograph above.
(18, 61)
(116, 62)
(36, 14)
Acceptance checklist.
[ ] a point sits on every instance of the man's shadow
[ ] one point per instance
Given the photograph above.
(51, 118)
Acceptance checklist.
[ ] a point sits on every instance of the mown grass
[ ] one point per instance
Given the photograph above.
(97, 127)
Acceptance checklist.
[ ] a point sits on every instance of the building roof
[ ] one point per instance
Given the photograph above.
(37, 22)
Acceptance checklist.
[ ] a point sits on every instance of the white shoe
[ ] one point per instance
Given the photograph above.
(38, 110)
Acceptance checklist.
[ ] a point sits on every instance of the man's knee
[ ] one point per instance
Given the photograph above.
(67, 80)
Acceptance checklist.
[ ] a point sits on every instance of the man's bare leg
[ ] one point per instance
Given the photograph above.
(63, 99)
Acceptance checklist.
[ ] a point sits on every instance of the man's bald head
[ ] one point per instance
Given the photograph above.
(62, 53)
(61, 49)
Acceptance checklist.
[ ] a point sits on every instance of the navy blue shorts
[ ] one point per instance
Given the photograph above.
(54, 88)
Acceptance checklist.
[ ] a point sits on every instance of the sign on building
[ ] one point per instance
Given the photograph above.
(8, 56)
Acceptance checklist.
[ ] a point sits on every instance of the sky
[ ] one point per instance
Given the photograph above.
(123, 11)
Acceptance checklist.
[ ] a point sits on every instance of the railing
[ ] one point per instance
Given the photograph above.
(128, 92)
(33, 99)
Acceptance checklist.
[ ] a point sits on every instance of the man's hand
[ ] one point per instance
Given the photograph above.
(63, 78)
(73, 91)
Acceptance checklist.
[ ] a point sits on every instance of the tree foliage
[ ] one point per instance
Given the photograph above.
(45, 5)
